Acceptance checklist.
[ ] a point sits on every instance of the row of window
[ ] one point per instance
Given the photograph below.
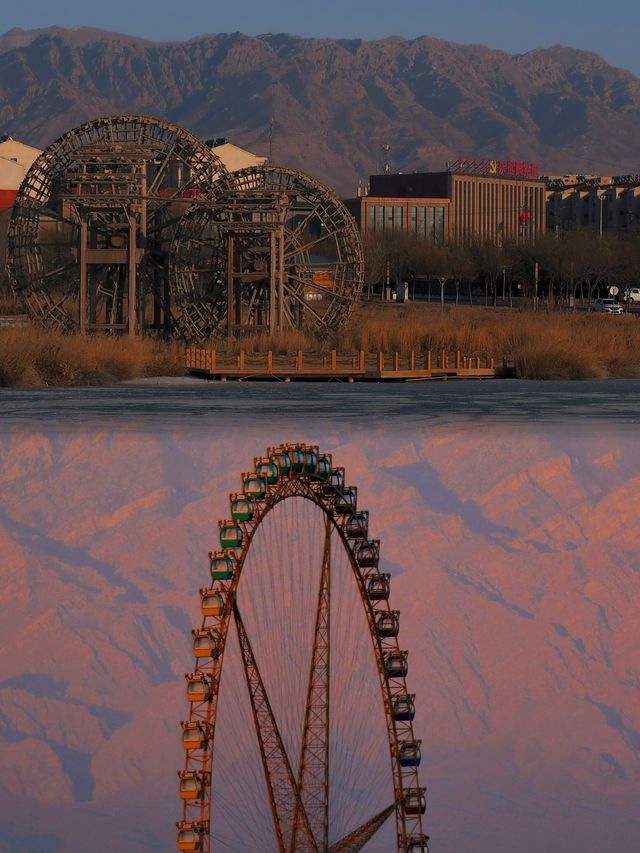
(425, 221)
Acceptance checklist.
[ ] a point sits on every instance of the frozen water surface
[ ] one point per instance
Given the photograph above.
(157, 403)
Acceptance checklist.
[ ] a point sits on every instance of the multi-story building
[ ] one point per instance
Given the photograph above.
(491, 202)
(595, 202)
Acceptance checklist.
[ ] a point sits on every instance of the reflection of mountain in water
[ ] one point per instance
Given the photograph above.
(515, 560)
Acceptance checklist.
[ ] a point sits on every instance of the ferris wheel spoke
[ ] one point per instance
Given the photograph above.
(313, 770)
(356, 840)
(283, 793)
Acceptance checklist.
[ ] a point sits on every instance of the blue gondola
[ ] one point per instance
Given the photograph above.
(367, 554)
(335, 482)
(323, 469)
(403, 707)
(418, 844)
(395, 664)
(345, 501)
(409, 754)
(357, 526)
(378, 587)
(388, 624)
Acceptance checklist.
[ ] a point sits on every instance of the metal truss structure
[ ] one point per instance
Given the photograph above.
(301, 815)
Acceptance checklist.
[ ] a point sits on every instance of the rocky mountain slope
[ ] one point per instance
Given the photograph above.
(334, 103)
(516, 571)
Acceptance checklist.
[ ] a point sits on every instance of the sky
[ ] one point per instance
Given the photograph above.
(514, 26)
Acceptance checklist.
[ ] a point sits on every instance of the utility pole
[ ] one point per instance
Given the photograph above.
(601, 197)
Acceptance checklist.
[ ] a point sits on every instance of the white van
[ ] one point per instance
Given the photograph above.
(632, 295)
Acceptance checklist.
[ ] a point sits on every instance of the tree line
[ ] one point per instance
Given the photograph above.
(576, 266)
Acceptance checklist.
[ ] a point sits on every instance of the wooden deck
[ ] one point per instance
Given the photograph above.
(361, 367)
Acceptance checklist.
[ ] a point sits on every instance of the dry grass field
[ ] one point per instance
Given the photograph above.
(541, 345)
(31, 357)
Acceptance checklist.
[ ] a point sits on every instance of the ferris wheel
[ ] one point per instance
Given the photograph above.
(311, 717)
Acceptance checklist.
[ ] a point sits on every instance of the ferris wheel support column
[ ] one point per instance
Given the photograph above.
(355, 841)
(284, 796)
(313, 772)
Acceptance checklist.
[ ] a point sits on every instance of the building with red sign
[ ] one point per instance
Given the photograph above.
(486, 201)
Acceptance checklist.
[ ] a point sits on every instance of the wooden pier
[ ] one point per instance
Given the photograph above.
(361, 367)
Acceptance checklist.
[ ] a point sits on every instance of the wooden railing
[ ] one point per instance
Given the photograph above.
(357, 365)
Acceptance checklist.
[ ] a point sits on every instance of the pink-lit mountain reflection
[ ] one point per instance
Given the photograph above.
(515, 561)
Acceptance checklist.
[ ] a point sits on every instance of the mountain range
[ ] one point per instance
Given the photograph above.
(337, 109)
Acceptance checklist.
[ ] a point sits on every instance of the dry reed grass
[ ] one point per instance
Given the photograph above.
(541, 345)
(33, 357)
(10, 306)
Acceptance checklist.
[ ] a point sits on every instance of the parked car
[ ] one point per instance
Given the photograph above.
(607, 306)
(632, 295)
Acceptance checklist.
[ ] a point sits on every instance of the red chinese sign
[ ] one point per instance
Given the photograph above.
(502, 168)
